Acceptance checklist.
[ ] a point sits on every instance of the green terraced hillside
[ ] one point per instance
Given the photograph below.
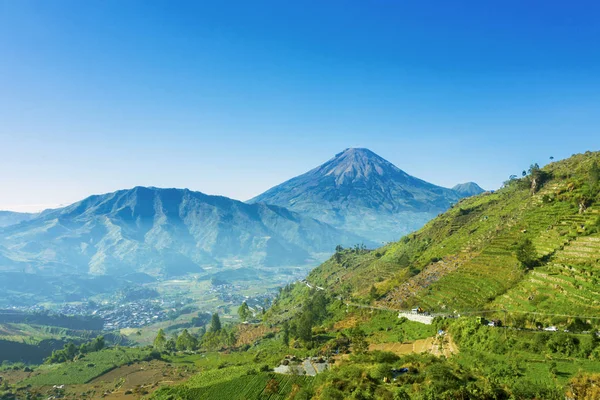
(465, 259)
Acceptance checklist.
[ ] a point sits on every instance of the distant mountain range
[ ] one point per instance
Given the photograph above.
(360, 192)
(356, 197)
(163, 232)
(11, 218)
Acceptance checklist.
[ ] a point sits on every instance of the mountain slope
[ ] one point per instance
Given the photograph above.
(164, 232)
(465, 259)
(11, 218)
(468, 189)
(360, 192)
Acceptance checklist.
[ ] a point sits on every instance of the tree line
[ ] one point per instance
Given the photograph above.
(214, 338)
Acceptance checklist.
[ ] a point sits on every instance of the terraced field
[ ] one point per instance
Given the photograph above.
(568, 284)
(466, 258)
(236, 383)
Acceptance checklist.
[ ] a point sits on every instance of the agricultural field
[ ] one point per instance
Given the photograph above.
(237, 383)
(87, 367)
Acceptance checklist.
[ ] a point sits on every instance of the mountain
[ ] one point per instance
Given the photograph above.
(11, 218)
(361, 192)
(163, 232)
(468, 189)
(467, 258)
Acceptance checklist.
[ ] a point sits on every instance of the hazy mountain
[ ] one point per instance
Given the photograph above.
(163, 232)
(468, 189)
(11, 218)
(360, 192)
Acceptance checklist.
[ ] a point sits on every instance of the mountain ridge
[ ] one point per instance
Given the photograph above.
(8, 218)
(165, 231)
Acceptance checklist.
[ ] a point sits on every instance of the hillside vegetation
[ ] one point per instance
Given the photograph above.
(467, 258)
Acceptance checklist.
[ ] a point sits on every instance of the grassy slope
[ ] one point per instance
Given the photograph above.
(464, 259)
(87, 368)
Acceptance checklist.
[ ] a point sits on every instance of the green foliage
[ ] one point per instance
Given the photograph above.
(160, 341)
(70, 351)
(216, 340)
(359, 341)
(314, 311)
(594, 177)
(526, 253)
(89, 367)
(215, 323)
(373, 295)
(185, 341)
(285, 336)
(244, 312)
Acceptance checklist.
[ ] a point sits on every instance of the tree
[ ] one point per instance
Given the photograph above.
(538, 177)
(401, 336)
(359, 341)
(526, 253)
(373, 295)
(286, 334)
(97, 344)
(231, 339)
(338, 253)
(201, 333)
(594, 177)
(304, 328)
(185, 341)
(244, 312)
(215, 323)
(70, 350)
(160, 341)
(338, 257)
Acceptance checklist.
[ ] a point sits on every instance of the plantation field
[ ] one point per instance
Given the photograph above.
(235, 383)
(86, 368)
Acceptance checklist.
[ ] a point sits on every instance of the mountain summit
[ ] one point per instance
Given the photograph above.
(363, 193)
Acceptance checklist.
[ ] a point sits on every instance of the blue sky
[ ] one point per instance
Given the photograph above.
(233, 97)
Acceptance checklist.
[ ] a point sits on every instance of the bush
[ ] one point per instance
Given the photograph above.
(384, 357)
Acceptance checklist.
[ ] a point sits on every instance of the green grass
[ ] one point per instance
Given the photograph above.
(87, 368)
(386, 327)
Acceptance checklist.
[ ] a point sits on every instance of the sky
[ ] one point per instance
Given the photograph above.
(234, 97)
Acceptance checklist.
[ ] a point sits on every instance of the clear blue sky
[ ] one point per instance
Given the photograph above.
(233, 97)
